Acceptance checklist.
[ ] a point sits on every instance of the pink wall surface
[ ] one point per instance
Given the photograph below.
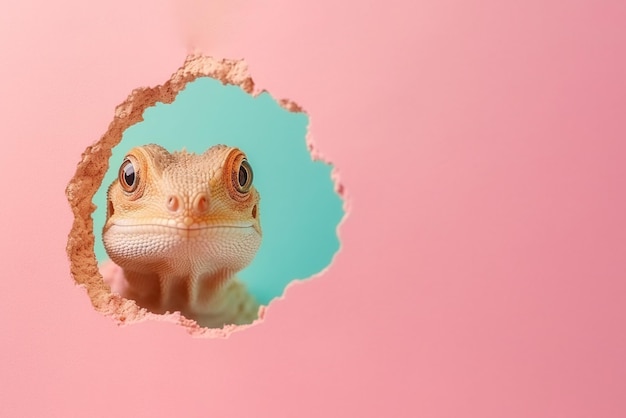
(482, 270)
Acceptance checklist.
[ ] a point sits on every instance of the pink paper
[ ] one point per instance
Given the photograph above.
(481, 148)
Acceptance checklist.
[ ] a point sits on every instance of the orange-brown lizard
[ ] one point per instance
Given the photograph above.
(180, 226)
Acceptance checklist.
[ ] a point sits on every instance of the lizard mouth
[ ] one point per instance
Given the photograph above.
(183, 226)
(180, 229)
(154, 230)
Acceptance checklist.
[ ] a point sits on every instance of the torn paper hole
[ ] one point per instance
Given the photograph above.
(299, 208)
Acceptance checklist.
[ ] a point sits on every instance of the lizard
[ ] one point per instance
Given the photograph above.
(179, 227)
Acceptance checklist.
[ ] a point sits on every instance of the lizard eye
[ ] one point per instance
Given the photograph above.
(244, 177)
(238, 176)
(128, 176)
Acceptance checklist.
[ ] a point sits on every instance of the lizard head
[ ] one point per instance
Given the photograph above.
(183, 214)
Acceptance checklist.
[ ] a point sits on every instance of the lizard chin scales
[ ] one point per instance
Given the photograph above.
(185, 269)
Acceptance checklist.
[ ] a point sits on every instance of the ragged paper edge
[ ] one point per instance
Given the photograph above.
(94, 164)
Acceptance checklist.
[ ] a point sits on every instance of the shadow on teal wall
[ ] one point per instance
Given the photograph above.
(299, 209)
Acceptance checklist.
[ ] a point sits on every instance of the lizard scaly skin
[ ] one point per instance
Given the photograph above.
(180, 226)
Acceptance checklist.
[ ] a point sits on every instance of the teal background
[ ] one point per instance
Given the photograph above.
(299, 209)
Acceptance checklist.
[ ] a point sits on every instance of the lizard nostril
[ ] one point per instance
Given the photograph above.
(201, 203)
(173, 203)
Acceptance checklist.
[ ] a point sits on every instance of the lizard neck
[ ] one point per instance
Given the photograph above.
(163, 290)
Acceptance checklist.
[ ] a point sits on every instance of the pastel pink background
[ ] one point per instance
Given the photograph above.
(482, 147)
